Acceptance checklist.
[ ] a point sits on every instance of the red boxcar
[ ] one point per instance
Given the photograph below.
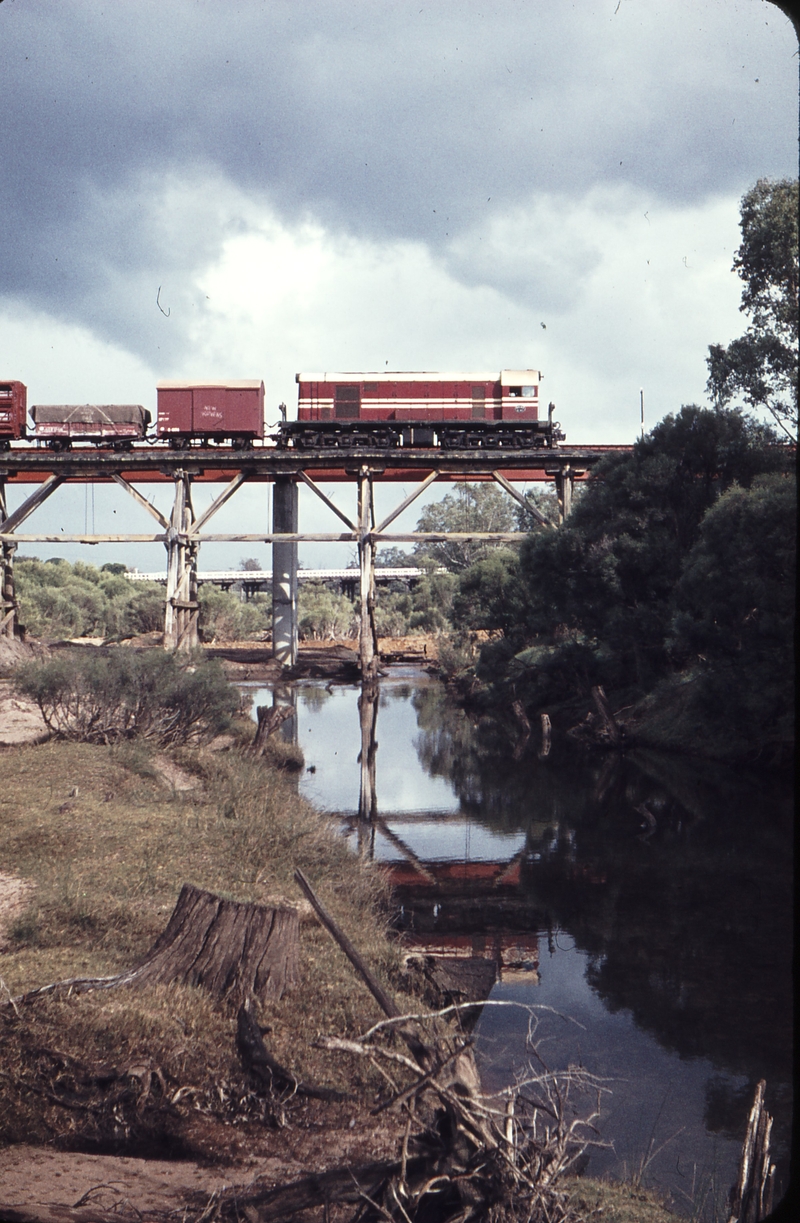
(117, 425)
(210, 412)
(421, 409)
(13, 412)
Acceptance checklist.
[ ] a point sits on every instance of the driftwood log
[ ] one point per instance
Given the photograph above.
(226, 947)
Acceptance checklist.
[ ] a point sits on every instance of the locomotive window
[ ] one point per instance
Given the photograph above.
(529, 392)
(515, 390)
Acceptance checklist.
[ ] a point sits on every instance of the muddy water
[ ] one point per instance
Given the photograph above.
(642, 905)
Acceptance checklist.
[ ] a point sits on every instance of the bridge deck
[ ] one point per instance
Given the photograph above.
(157, 464)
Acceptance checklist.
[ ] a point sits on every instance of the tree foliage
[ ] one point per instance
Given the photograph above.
(762, 365)
(471, 507)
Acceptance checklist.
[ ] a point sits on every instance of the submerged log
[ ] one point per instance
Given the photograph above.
(226, 947)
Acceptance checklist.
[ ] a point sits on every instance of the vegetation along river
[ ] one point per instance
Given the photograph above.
(641, 903)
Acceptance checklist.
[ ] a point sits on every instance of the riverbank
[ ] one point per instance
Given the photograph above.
(95, 845)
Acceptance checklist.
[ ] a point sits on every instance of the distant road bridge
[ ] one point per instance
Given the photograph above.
(253, 580)
(184, 531)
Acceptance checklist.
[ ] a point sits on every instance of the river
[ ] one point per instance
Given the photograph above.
(642, 904)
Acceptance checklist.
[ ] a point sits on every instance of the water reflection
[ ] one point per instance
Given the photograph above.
(647, 896)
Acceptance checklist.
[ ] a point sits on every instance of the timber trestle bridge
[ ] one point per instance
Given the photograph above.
(184, 531)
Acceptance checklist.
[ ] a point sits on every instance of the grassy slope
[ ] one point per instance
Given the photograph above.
(107, 866)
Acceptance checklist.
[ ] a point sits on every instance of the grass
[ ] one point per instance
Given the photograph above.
(615, 1202)
(107, 846)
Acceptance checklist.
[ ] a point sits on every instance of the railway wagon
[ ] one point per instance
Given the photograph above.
(116, 425)
(451, 410)
(13, 412)
(210, 412)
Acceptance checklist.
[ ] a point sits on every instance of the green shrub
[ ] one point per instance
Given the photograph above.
(125, 695)
(322, 614)
(224, 617)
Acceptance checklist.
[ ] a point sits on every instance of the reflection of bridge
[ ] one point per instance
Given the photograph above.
(183, 531)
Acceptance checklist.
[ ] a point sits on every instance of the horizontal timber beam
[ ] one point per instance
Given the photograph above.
(153, 464)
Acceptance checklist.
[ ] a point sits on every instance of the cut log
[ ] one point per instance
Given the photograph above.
(226, 947)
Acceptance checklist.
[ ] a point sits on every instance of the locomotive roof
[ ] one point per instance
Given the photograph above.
(506, 376)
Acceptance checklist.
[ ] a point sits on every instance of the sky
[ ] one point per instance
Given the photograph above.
(214, 189)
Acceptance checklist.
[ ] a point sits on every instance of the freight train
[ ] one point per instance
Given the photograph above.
(342, 411)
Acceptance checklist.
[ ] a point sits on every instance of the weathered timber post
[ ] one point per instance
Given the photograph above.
(368, 639)
(284, 572)
(181, 608)
(565, 484)
(8, 602)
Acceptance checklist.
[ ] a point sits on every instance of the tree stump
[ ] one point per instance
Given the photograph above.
(225, 947)
(221, 945)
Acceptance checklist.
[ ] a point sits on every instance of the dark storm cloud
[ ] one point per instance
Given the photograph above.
(385, 121)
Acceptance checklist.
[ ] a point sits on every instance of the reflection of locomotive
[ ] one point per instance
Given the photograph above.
(459, 410)
(379, 411)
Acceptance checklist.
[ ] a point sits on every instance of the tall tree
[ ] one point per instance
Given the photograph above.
(761, 366)
(472, 507)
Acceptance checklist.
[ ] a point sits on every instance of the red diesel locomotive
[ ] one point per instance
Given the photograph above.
(453, 411)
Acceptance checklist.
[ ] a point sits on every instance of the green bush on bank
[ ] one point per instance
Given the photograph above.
(95, 698)
(58, 599)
